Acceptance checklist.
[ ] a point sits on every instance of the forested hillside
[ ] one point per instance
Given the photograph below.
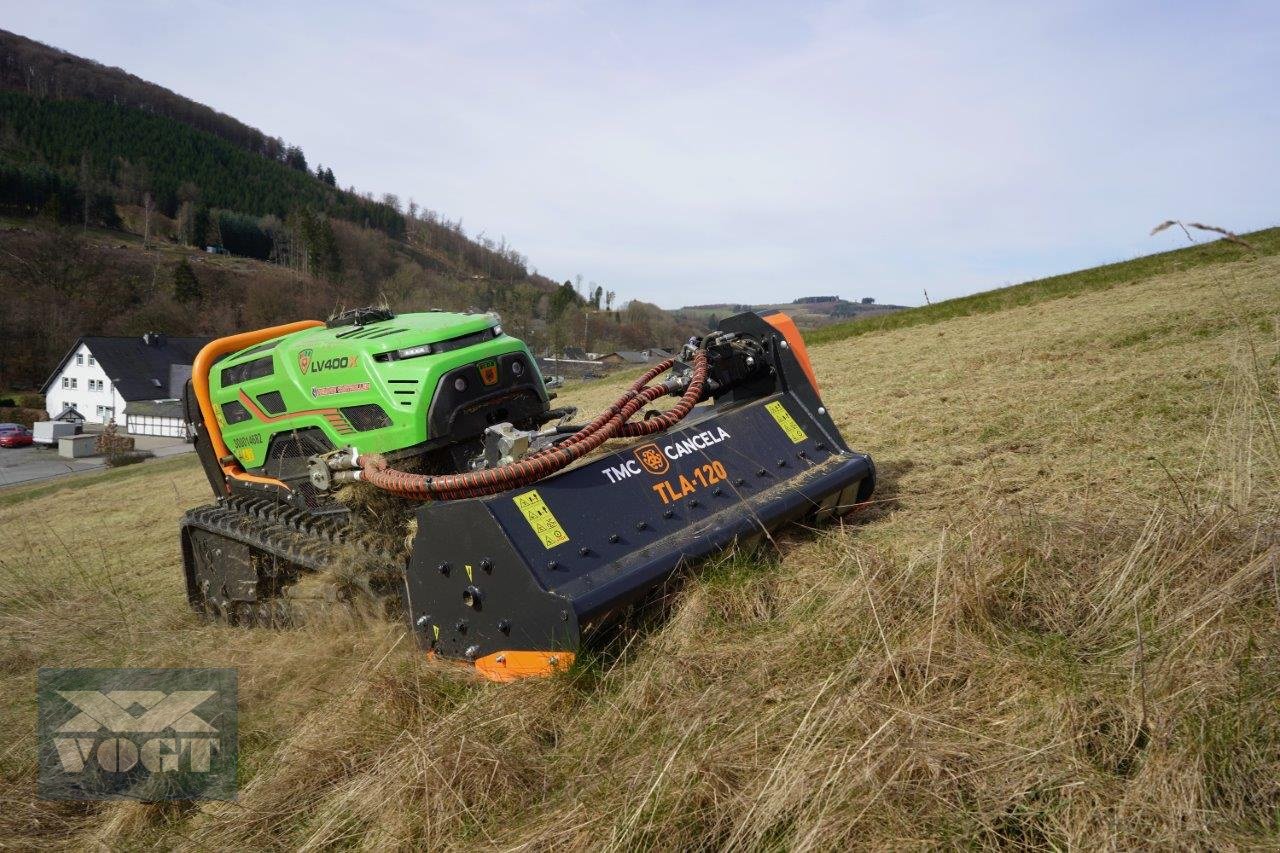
(38, 69)
(66, 150)
(111, 188)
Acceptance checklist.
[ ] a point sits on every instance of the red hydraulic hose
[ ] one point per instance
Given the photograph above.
(611, 423)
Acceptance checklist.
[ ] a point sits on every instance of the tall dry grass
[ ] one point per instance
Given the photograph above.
(1057, 627)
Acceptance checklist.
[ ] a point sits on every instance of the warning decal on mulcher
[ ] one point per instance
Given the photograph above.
(788, 423)
(541, 519)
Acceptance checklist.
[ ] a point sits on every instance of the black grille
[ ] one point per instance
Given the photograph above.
(235, 412)
(443, 346)
(271, 402)
(366, 417)
(287, 457)
(297, 444)
(464, 341)
(255, 369)
(259, 348)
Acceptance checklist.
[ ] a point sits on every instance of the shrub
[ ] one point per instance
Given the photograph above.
(21, 415)
(128, 457)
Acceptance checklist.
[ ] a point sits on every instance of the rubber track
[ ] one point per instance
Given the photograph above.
(303, 541)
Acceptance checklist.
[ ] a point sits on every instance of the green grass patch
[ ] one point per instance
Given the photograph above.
(1266, 242)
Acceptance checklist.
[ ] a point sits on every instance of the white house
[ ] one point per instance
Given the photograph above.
(111, 377)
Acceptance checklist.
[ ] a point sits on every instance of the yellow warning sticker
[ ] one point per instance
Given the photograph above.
(788, 423)
(540, 518)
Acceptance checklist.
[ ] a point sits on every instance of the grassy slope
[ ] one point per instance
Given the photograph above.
(1057, 626)
(1265, 242)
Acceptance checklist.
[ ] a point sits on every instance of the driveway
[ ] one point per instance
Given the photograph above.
(28, 464)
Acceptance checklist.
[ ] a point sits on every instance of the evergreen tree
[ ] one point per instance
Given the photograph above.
(323, 259)
(564, 297)
(186, 287)
(199, 227)
(295, 159)
(51, 210)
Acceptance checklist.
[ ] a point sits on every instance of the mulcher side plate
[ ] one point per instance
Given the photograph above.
(524, 571)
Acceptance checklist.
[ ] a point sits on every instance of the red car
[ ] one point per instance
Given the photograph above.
(14, 435)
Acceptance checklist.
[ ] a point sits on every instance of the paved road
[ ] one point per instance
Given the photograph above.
(29, 464)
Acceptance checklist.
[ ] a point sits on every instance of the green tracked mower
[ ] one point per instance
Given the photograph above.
(526, 529)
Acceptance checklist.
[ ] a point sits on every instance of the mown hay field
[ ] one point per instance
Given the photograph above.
(1058, 626)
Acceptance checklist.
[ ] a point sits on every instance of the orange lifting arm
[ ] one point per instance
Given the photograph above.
(213, 351)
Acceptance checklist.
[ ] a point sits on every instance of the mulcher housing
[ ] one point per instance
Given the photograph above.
(510, 581)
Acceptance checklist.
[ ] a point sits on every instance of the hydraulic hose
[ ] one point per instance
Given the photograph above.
(611, 423)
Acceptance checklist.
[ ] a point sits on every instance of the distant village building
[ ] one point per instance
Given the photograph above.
(137, 381)
(643, 356)
(574, 368)
(625, 357)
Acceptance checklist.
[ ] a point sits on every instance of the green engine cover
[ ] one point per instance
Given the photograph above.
(379, 387)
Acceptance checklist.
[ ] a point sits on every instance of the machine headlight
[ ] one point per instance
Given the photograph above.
(414, 352)
(460, 384)
(517, 368)
(497, 330)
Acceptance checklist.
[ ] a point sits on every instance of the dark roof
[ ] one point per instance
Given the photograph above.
(69, 414)
(630, 356)
(156, 408)
(138, 370)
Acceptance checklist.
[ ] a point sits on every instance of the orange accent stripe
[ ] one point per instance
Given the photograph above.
(787, 327)
(333, 416)
(213, 351)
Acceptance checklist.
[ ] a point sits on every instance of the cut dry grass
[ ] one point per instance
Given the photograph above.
(1056, 627)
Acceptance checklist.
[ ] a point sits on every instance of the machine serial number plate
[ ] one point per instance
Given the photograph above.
(541, 519)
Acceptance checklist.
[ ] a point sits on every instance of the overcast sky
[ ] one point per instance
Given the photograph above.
(705, 152)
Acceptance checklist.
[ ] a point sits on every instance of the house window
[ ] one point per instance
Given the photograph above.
(73, 381)
(66, 383)
(79, 358)
(91, 361)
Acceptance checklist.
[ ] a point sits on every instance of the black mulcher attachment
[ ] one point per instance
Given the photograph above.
(511, 580)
